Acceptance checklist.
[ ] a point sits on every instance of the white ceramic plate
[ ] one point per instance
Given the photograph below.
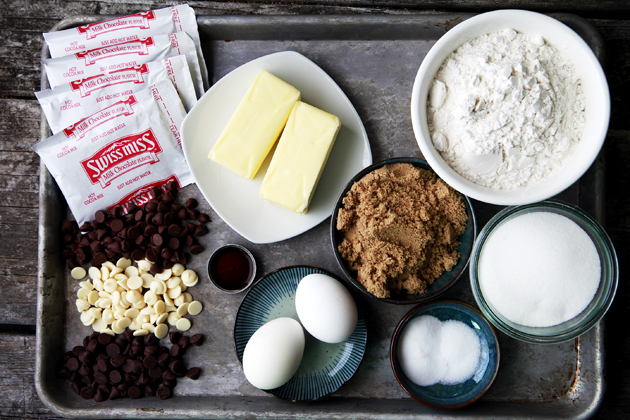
(236, 199)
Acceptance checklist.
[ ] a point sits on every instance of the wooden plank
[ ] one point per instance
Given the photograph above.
(19, 398)
(19, 188)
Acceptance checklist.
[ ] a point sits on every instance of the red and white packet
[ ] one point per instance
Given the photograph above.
(109, 158)
(67, 104)
(180, 18)
(82, 65)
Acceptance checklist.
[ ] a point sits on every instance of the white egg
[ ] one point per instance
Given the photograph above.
(325, 308)
(273, 353)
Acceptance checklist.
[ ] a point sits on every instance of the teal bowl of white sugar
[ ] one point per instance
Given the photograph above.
(544, 272)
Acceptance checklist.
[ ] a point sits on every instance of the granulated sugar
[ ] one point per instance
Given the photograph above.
(539, 269)
(506, 109)
(431, 351)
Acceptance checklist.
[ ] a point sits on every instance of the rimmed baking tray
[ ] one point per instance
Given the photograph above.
(374, 59)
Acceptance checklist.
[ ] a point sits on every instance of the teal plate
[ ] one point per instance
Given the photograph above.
(325, 367)
(460, 395)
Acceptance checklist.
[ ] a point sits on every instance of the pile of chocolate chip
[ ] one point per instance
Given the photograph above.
(159, 231)
(107, 367)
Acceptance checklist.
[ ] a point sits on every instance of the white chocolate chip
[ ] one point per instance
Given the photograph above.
(110, 285)
(150, 298)
(99, 325)
(134, 297)
(188, 276)
(144, 265)
(86, 285)
(83, 293)
(82, 305)
(116, 271)
(86, 318)
(182, 310)
(110, 265)
(195, 307)
(123, 263)
(104, 272)
(95, 312)
(178, 269)
(159, 307)
(148, 326)
(108, 316)
(134, 282)
(147, 279)
(140, 332)
(173, 318)
(161, 319)
(164, 275)
(98, 285)
(161, 331)
(175, 292)
(95, 273)
(187, 297)
(173, 282)
(131, 271)
(179, 301)
(132, 313)
(183, 324)
(78, 273)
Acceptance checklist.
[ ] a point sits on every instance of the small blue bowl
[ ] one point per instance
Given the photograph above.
(325, 367)
(442, 283)
(460, 395)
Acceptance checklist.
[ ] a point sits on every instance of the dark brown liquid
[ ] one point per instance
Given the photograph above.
(231, 269)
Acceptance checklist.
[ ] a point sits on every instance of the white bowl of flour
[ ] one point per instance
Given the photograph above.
(510, 107)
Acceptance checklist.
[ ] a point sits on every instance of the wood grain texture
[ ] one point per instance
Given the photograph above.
(19, 398)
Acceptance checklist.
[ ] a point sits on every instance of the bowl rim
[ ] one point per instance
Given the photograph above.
(558, 207)
(518, 196)
(396, 335)
(348, 274)
(250, 257)
(257, 283)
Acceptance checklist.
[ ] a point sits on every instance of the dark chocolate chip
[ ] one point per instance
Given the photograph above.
(76, 387)
(157, 239)
(191, 203)
(115, 376)
(104, 339)
(137, 254)
(170, 383)
(149, 362)
(114, 393)
(193, 373)
(100, 216)
(100, 396)
(173, 243)
(163, 393)
(174, 336)
(203, 218)
(64, 373)
(117, 360)
(87, 393)
(100, 378)
(112, 349)
(168, 375)
(184, 342)
(73, 364)
(156, 372)
(196, 249)
(117, 225)
(134, 392)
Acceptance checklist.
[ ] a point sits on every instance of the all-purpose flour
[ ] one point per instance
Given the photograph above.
(506, 109)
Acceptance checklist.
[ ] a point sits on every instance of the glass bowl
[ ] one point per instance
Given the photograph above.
(442, 283)
(595, 310)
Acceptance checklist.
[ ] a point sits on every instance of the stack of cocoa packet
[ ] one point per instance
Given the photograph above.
(107, 367)
(120, 91)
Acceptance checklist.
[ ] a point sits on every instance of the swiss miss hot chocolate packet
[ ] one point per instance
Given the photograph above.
(66, 104)
(82, 65)
(109, 158)
(180, 18)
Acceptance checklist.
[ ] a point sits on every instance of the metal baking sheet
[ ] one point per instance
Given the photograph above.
(374, 59)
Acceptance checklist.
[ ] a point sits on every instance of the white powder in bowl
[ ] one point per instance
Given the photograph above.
(431, 351)
(539, 269)
(506, 110)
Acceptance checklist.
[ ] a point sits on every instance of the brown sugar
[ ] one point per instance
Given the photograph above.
(401, 228)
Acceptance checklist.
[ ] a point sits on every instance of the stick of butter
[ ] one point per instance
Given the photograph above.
(255, 125)
(300, 157)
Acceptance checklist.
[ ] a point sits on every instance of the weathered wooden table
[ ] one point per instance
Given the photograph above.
(21, 25)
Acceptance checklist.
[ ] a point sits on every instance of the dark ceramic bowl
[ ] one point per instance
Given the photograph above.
(442, 283)
(459, 395)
